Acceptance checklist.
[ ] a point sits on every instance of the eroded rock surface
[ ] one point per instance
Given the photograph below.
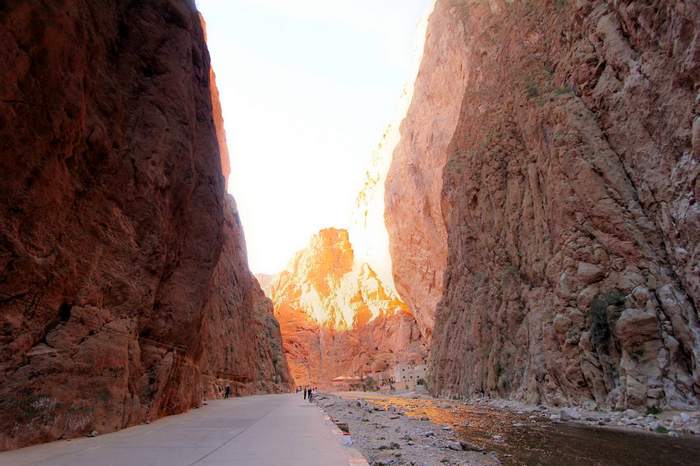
(336, 317)
(124, 292)
(413, 211)
(567, 197)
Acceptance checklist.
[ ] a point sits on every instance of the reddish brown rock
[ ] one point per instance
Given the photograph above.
(124, 291)
(337, 318)
(563, 211)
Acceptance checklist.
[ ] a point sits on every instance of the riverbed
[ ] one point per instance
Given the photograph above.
(532, 438)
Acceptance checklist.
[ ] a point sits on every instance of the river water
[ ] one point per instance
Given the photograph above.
(531, 439)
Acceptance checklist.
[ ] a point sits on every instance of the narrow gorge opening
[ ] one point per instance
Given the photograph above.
(311, 97)
(476, 223)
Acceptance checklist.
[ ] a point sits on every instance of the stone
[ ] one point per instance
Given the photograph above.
(568, 414)
(589, 273)
(636, 326)
(468, 446)
(453, 445)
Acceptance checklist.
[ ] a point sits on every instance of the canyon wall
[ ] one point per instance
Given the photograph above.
(549, 159)
(413, 212)
(124, 292)
(337, 318)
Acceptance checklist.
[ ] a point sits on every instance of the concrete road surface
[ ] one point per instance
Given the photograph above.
(274, 430)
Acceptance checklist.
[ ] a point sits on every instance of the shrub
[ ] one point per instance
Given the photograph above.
(532, 90)
(653, 410)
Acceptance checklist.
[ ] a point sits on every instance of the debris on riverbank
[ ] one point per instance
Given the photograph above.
(512, 433)
(386, 436)
(672, 423)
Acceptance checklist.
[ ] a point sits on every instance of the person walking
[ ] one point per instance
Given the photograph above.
(227, 392)
(304, 392)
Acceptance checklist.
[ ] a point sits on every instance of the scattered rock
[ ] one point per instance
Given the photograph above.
(568, 414)
(452, 445)
(468, 446)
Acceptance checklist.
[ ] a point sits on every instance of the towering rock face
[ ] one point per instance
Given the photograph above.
(413, 212)
(337, 319)
(567, 193)
(124, 293)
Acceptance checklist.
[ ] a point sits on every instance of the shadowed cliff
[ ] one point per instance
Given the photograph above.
(124, 293)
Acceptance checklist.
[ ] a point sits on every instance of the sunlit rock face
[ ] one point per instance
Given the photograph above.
(336, 316)
(369, 233)
(413, 187)
(368, 228)
(545, 191)
(124, 293)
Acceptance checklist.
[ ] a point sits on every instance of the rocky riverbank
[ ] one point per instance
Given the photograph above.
(387, 436)
(413, 429)
(674, 423)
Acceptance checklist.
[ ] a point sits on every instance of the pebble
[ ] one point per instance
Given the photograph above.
(569, 415)
(452, 445)
(470, 446)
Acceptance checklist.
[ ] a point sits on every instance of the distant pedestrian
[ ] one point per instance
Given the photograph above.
(311, 395)
(304, 392)
(227, 392)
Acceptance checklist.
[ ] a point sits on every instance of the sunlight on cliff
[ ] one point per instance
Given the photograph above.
(368, 229)
(306, 125)
(336, 316)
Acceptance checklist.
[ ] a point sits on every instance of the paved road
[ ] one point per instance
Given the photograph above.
(274, 430)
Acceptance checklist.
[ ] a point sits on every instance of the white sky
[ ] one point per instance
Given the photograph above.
(307, 88)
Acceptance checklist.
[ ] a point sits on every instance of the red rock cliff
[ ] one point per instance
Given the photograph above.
(337, 318)
(549, 161)
(124, 292)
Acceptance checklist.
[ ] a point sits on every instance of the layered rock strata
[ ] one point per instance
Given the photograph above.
(550, 161)
(337, 318)
(124, 292)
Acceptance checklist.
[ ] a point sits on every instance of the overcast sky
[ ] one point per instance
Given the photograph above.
(307, 88)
